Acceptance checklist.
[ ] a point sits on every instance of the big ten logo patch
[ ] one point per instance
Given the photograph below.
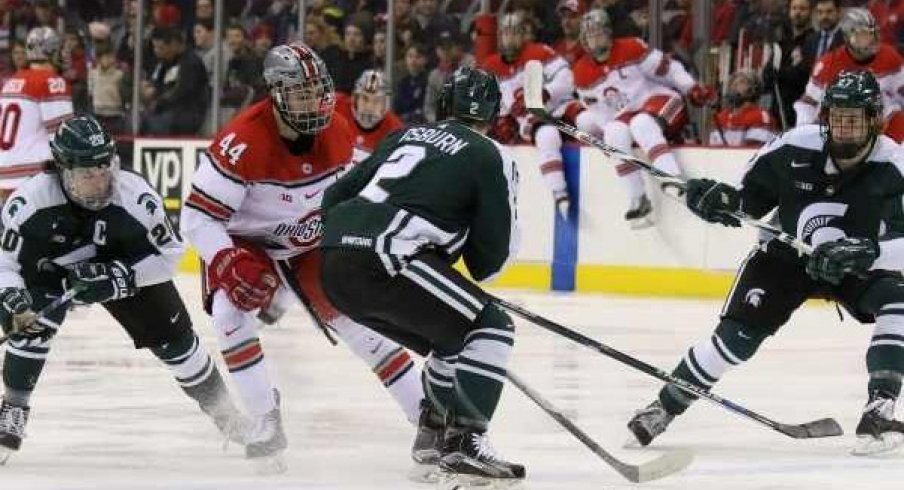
(162, 166)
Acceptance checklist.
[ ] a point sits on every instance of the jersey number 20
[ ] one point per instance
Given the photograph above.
(399, 164)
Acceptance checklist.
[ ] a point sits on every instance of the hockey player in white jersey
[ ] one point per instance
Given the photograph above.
(644, 88)
(33, 102)
(103, 230)
(254, 215)
(508, 66)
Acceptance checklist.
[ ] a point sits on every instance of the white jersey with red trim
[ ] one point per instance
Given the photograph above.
(631, 75)
(558, 86)
(251, 183)
(33, 102)
(747, 125)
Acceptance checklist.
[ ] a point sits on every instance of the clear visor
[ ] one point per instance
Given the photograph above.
(849, 125)
(370, 108)
(596, 40)
(863, 42)
(511, 38)
(90, 187)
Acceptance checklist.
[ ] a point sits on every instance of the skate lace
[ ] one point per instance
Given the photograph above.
(12, 420)
(481, 444)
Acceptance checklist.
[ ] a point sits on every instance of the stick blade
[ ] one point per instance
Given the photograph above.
(816, 429)
(533, 85)
(665, 465)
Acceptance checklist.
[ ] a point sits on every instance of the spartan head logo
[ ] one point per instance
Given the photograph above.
(754, 297)
(14, 205)
(814, 224)
(150, 204)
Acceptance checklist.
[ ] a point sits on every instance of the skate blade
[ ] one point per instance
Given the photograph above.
(270, 465)
(424, 473)
(641, 223)
(458, 481)
(632, 443)
(5, 453)
(886, 445)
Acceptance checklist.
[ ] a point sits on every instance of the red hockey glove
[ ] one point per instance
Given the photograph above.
(247, 279)
(701, 95)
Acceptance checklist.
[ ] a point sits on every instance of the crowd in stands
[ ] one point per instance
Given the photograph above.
(433, 38)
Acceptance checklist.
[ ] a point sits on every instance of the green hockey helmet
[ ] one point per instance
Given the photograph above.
(851, 114)
(85, 156)
(470, 94)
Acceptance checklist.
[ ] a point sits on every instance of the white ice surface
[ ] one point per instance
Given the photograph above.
(108, 417)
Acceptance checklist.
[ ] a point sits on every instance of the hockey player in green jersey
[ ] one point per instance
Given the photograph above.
(93, 226)
(393, 228)
(838, 186)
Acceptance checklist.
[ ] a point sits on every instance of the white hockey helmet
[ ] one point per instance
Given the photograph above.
(512, 34)
(300, 86)
(371, 98)
(861, 33)
(42, 44)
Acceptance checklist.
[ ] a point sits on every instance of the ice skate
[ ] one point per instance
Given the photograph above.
(468, 461)
(12, 429)
(266, 443)
(640, 214)
(427, 446)
(878, 432)
(649, 423)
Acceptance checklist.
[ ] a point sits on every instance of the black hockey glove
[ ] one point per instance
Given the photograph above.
(830, 261)
(710, 200)
(102, 281)
(16, 314)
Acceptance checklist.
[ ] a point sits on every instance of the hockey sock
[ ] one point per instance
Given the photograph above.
(439, 382)
(244, 356)
(648, 135)
(618, 135)
(885, 356)
(549, 146)
(390, 362)
(481, 367)
(22, 367)
(195, 371)
(705, 363)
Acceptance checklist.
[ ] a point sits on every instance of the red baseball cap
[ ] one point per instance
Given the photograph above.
(571, 6)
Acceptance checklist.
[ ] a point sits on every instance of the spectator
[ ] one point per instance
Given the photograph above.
(620, 15)
(763, 21)
(321, 38)
(450, 53)
(378, 48)
(412, 87)
(569, 46)
(204, 11)
(828, 35)
(353, 59)
(428, 21)
(44, 15)
(244, 81)
(176, 95)
(798, 57)
(74, 68)
(17, 60)
(742, 122)
(205, 42)
(262, 39)
(106, 84)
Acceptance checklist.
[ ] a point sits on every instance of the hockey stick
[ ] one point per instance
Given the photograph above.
(47, 310)
(665, 465)
(827, 427)
(533, 100)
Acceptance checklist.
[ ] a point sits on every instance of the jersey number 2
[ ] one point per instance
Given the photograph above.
(399, 164)
(10, 115)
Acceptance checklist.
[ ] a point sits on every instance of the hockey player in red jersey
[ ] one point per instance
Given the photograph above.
(368, 109)
(508, 67)
(742, 121)
(643, 88)
(254, 215)
(861, 51)
(33, 103)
